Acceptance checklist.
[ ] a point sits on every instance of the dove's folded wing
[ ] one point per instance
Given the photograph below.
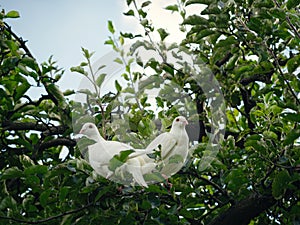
(166, 141)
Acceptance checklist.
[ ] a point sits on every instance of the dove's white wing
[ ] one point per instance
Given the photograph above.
(102, 152)
(166, 141)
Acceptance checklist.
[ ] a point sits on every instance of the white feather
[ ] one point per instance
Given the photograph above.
(103, 151)
(173, 146)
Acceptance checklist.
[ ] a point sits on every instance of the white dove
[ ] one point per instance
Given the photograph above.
(173, 146)
(100, 154)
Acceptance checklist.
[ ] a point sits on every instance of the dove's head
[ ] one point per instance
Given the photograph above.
(91, 131)
(179, 121)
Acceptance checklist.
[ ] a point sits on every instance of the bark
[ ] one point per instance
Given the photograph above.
(243, 211)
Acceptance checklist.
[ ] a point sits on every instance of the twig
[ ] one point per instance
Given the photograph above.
(282, 75)
(22, 45)
(288, 20)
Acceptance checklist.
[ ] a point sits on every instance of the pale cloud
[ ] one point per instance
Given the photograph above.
(160, 18)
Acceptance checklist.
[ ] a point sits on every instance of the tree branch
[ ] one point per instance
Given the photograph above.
(56, 142)
(48, 130)
(243, 211)
(49, 218)
(288, 20)
(18, 39)
(266, 78)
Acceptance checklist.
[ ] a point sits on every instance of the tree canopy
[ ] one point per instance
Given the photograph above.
(251, 49)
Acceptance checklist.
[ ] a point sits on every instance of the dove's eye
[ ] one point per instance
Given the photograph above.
(90, 126)
(177, 120)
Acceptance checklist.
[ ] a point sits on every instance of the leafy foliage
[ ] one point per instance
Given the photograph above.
(252, 49)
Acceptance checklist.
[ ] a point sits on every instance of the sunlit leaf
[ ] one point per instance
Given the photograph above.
(100, 79)
(12, 14)
(110, 27)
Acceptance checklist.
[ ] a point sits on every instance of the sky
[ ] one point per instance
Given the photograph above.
(61, 27)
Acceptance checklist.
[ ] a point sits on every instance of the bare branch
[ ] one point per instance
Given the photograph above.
(243, 211)
(48, 130)
(56, 142)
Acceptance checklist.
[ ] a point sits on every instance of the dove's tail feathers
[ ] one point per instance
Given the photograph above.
(134, 167)
(148, 167)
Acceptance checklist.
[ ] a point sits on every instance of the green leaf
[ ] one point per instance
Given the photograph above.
(53, 90)
(129, 2)
(118, 60)
(85, 91)
(100, 79)
(236, 179)
(172, 8)
(129, 13)
(83, 143)
(205, 2)
(280, 184)
(68, 92)
(12, 14)
(111, 27)
(226, 42)
(195, 20)
(277, 13)
(30, 62)
(270, 134)
(119, 159)
(145, 4)
(162, 33)
(118, 86)
(36, 169)
(109, 42)
(143, 14)
(205, 33)
(101, 193)
(21, 90)
(295, 117)
(83, 64)
(13, 172)
(293, 64)
(292, 4)
(292, 136)
(63, 192)
(44, 197)
(176, 159)
(212, 9)
(26, 161)
(86, 53)
(8, 202)
(78, 69)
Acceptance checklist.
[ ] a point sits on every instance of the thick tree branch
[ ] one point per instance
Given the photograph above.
(243, 211)
(266, 78)
(48, 130)
(248, 104)
(224, 60)
(56, 142)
